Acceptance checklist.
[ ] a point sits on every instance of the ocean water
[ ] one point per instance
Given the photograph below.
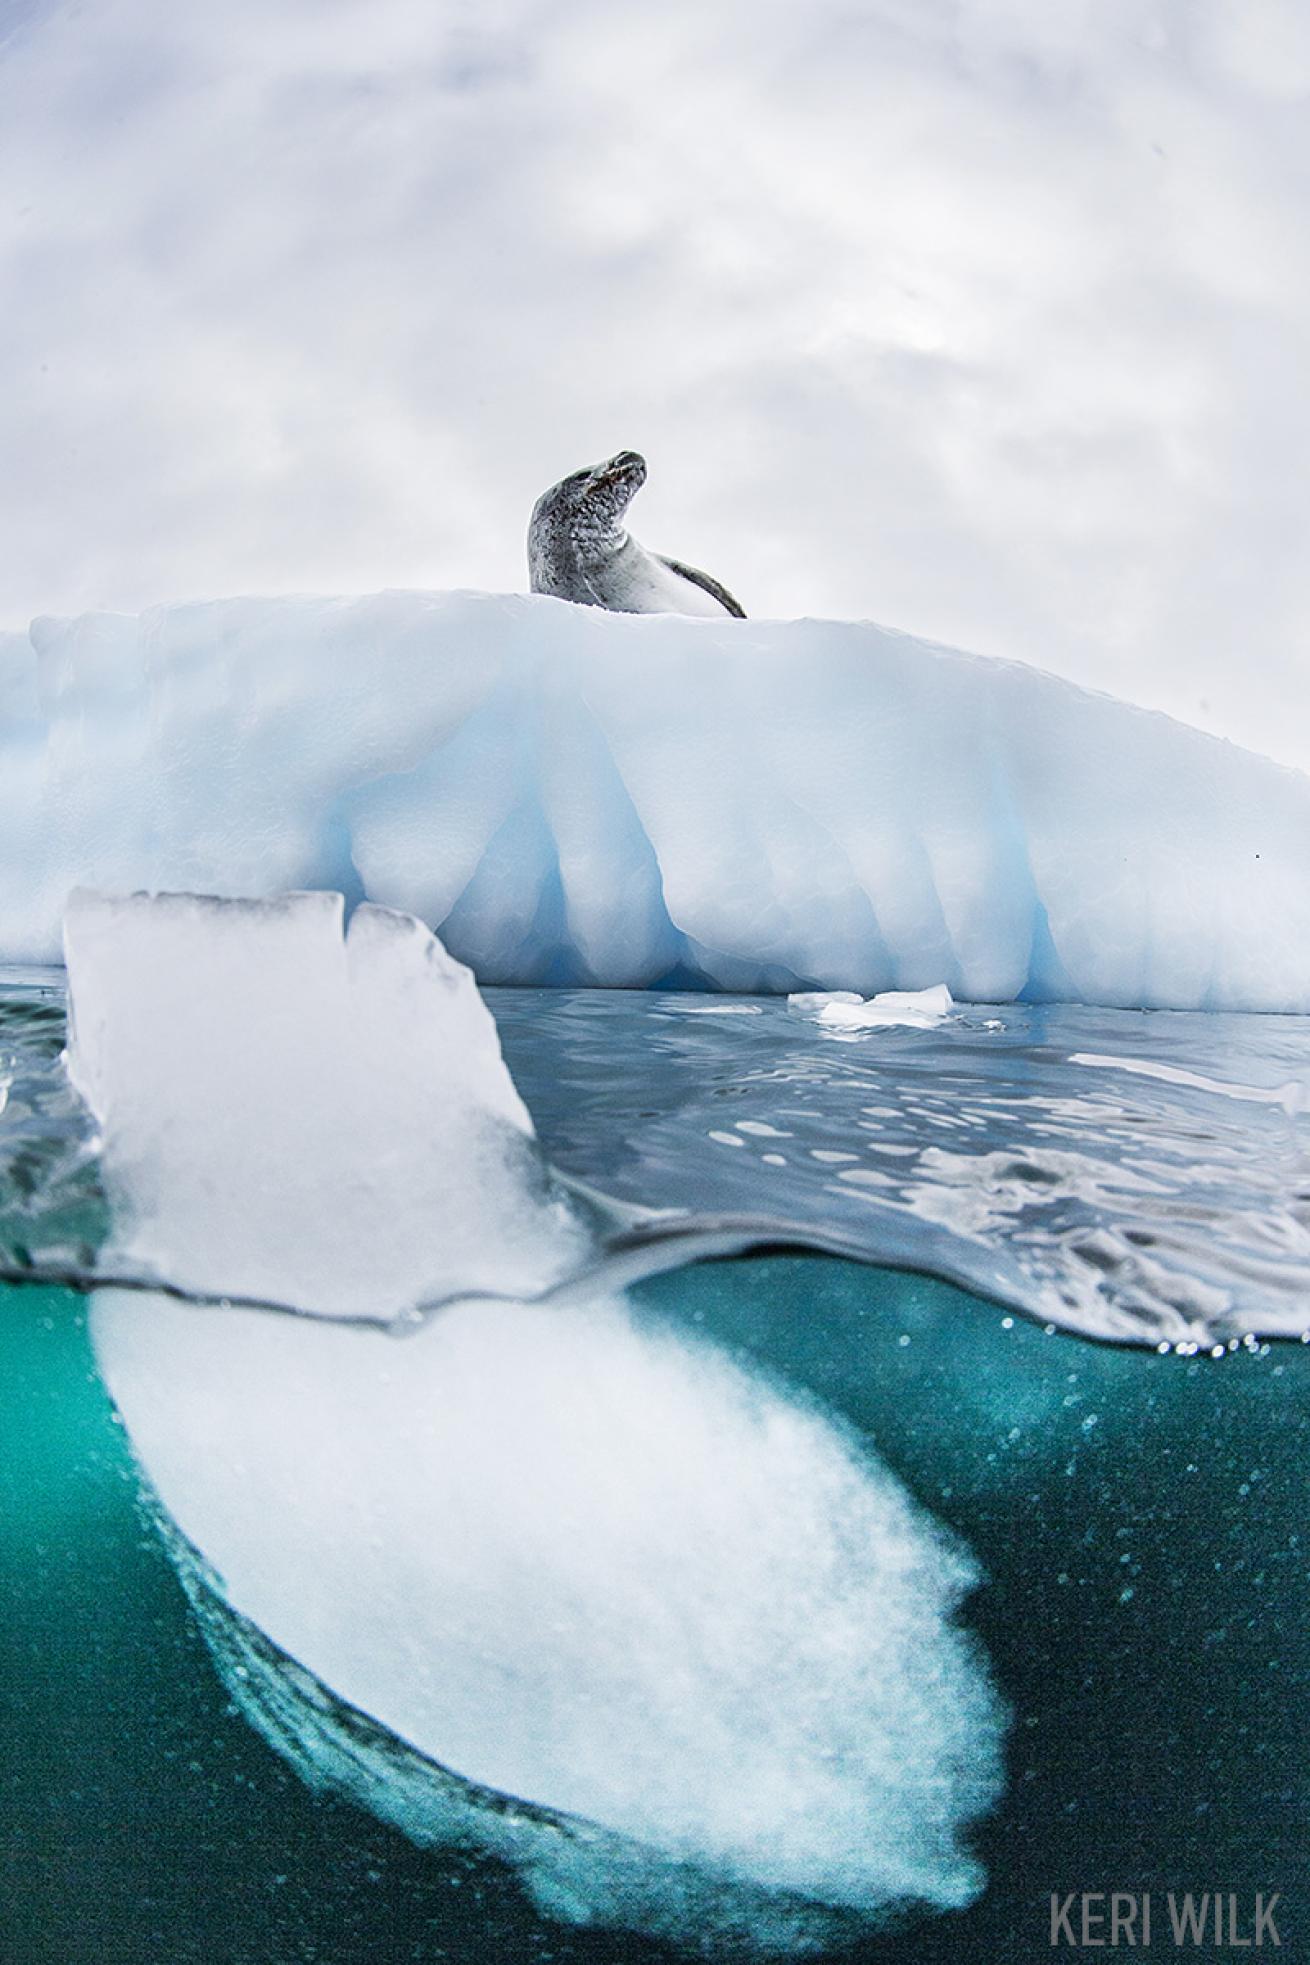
(1139, 1175)
(1135, 1508)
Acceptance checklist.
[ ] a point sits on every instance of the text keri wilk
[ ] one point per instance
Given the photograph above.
(1220, 1919)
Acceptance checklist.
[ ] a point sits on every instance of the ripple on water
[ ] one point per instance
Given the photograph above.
(1140, 1176)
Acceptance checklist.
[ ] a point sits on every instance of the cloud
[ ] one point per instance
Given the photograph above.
(984, 318)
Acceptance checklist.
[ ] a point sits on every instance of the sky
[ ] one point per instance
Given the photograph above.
(988, 320)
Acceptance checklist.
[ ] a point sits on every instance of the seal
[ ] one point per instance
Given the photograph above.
(578, 549)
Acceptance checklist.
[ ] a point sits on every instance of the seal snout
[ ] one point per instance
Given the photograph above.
(629, 466)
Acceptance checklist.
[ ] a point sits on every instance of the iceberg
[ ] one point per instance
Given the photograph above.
(555, 1577)
(575, 796)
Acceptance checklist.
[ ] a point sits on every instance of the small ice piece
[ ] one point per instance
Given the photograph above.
(808, 1002)
(298, 1115)
(912, 1009)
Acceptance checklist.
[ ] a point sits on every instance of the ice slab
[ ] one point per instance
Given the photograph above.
(570, 795)
(576, 1557)
(298, 1113)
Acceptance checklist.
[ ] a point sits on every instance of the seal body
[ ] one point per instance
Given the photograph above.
(578, 549)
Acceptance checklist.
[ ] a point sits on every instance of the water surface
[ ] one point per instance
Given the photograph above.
(1137, 1175)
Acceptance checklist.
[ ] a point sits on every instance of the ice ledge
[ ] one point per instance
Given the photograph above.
(575, 796)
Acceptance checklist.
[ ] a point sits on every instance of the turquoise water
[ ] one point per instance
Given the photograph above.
(1138, 1517)
(1139, 1520)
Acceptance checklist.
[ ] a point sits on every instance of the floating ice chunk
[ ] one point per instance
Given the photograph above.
(810, 1001)
(912, 1009)
(296, 1114)
(589, 1562)
(578, 1558)
(571, 795)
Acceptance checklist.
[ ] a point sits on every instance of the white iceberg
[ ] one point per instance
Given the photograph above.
(700, 1636)
(576, 796)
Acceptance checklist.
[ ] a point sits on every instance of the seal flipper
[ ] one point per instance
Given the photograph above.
(705, 580)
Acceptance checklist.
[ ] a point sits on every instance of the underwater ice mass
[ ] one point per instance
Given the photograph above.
(564, 1550)
(571, 795)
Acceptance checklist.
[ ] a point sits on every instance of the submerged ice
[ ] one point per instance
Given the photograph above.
(576, 796)
(561, 1549)
(588, 1563)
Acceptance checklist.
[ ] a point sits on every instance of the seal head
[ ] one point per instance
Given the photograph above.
(578, 549)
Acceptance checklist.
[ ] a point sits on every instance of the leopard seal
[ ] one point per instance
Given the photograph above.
(578, 549)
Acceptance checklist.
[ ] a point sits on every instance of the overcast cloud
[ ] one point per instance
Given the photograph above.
(987, 319)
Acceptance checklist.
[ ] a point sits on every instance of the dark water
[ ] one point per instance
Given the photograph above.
(1139, 1517)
